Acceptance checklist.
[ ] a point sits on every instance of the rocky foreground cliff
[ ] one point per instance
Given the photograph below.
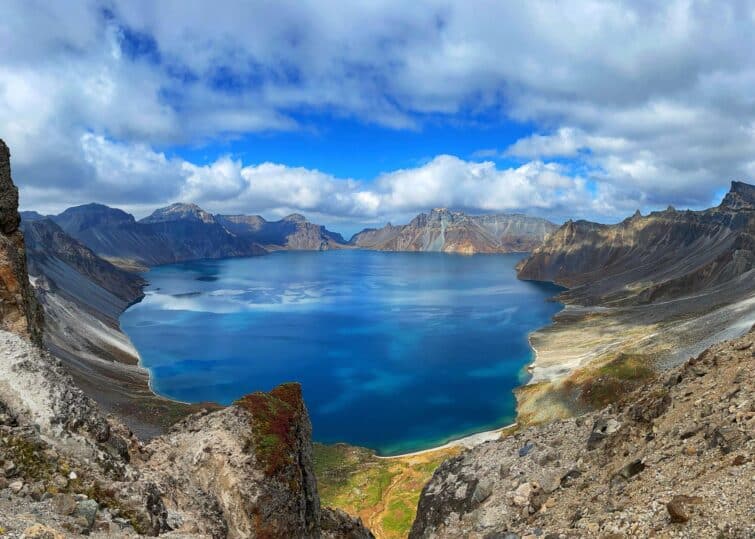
(455, 232)
(66, 470)
(19, 311)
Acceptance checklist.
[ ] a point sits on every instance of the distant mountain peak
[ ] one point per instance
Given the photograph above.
(454, 231)
(740, 196)
(180, 211)
(295, 218)
(91, 215)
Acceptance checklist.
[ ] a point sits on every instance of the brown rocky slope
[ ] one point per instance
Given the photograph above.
(673, 459)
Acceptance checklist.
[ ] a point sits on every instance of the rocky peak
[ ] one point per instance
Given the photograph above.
(297, 218)
(80, 218)
(19, 311)
(445, 214)
(247, 471)
(9, 217)
(740, 196)
(180, 212)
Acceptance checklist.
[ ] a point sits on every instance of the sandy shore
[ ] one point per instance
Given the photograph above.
(467, 442)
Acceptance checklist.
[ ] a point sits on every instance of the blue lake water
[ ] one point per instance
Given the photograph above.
(395, 351)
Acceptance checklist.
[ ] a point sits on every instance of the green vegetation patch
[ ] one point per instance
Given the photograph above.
(628, 367)
(383, 492)
(29, 456)
(275, 418)
(614, 379)
(399, 515)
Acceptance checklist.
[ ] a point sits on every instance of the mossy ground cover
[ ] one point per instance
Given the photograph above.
(383, 492)
(614, 379)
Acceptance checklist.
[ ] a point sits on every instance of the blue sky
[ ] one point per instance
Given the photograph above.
(357, 113)
(350, 148)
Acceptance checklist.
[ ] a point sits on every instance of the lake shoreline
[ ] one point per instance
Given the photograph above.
(503, 299)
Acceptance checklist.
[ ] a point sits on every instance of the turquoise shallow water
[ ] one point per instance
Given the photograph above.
(395, 351)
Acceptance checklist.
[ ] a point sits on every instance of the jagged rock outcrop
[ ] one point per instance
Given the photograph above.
(19, 311)
(674, 459)
(293, 232)
(455, 232)
(740, 196)
(254, 460)
(55, 443)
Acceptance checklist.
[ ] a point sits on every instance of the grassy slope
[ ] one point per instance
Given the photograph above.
(383, 492)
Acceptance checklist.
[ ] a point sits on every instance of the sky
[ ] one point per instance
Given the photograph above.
(356, 113)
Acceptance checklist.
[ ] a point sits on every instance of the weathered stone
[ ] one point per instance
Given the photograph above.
(16, 486)
(19, 311)
(9, 468)
(64, 504)
(482, 491)
(39, 531)
(601, 429)
(631, 469)
(9, 217)
(87, 509)
(568, 479)
(739, 460)
(676, 510)
(728, 439)
(526, 449)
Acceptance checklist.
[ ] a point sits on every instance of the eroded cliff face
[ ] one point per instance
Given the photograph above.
(253, 458)
(19, 312)
(455, 232)
(645, 258)
(241, 472)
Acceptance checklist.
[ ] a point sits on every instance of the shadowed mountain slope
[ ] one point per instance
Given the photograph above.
(664, 255)
(177, 233)
(293, 232)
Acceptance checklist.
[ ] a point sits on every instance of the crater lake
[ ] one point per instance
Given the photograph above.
(397, 352)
